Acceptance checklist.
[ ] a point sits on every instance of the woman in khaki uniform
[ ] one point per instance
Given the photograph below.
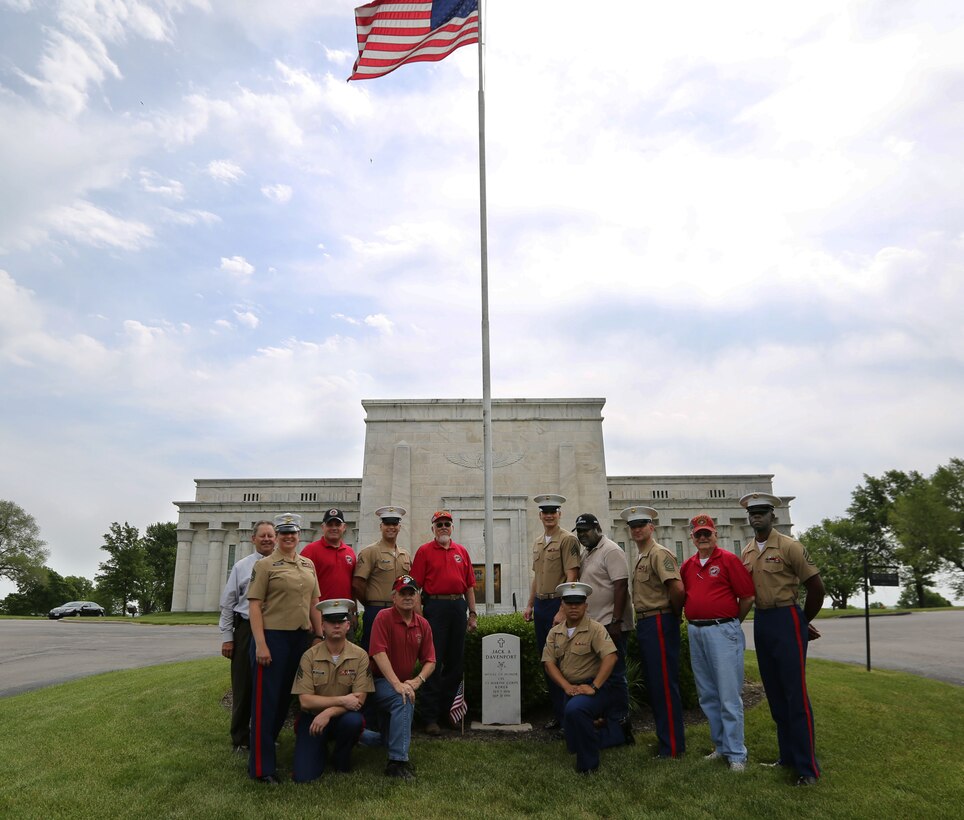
(282, 597)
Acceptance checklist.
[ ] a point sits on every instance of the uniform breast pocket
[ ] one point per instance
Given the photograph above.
(319, 677)
(642, 575)
(385, 563)
(580, 648)
(553, 556)
(773, 567)
(407, 565)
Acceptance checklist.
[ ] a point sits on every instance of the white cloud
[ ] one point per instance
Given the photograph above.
(154, 183)
(190, 217)
(224, 170)
(277, 193)
(84, 222)
(237, 265)
(339, 57)
(247, 318)
(380, 322)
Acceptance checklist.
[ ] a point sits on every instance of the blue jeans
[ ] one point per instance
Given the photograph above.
(400, 724)
(716, 654)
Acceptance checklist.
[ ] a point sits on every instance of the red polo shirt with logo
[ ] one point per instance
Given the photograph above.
(712, 589)
(441, 571)
(404, 643)
(334, 567)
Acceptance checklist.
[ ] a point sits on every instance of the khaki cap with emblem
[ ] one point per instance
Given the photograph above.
(639, 515)
(287, 522)
(391, 515)
(760, 500)
(573, 589)
(335, 609)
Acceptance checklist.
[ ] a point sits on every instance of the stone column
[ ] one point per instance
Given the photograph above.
(212, 595)
(182, 570)
(245, 547)
(402, 489)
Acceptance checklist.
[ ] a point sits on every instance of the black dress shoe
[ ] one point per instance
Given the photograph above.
(398, 768)
(270, 779)
(806, 780)
(551, 724)
(626, 724)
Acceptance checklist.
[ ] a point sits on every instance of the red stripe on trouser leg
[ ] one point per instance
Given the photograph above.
(666, 689)
(803, 687)
(258, 699)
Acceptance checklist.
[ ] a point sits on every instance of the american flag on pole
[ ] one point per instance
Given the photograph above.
(392, 33)
(459, 707)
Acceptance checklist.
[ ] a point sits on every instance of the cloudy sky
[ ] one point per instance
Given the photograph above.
(740, 223)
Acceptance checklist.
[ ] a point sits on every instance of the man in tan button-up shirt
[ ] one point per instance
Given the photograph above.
(781, 631)
(658, 600)
(579, 657)
(378, 566)
(555, 558)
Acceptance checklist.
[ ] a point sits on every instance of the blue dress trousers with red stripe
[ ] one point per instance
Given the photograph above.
(659, 642)
(780, 639)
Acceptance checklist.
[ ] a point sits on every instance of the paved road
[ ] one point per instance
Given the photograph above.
(34, 654)
(923, 643)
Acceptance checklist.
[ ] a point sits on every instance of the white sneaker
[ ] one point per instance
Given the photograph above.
(714, 755)
(737, 766)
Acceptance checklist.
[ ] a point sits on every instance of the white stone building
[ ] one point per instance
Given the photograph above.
(425, 455)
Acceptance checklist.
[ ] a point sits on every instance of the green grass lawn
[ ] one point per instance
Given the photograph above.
(154, 743)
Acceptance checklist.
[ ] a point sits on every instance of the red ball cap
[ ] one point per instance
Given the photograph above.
(441, 515)
(702, 522)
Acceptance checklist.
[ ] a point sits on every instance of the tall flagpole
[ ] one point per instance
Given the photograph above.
(489, 532)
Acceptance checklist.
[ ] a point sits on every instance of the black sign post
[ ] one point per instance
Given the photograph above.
(878, 577)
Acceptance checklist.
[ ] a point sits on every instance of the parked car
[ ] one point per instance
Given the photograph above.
(76, 608)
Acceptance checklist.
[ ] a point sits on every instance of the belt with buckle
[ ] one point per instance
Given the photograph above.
(434, 597)
(546, 596)
(711, 622)
(649, 613)
(379, 603)
(779, 606)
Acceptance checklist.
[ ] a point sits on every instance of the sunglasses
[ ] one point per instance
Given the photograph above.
(446, 524)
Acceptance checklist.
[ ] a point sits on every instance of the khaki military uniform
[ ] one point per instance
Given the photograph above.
(580, 656)
(287, 588)
(551, 561)
(654, 568)
(780, 637)
(778, 570)
(380, 564)
(320, 674)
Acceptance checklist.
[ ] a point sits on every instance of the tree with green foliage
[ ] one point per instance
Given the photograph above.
(22, 552)
(923, 525)
(160, 553)
(837, 546)
(38, 593)
(912, 598)
(125, 575)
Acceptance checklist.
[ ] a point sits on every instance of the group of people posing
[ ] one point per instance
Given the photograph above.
(285, 620)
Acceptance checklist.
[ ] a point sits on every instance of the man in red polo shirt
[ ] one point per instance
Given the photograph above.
(444, 571)
(334, 560)
(400, 638)
(719, 593)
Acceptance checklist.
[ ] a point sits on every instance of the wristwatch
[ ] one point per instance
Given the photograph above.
(594, 687)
